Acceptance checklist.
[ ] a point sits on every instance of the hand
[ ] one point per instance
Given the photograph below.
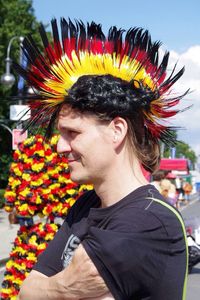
(80, 280)
(106, 296)
(83, 279)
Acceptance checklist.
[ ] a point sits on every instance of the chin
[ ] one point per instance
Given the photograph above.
(78, 179)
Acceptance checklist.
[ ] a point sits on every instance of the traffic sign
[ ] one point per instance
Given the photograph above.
(19, 112)
(18, 136)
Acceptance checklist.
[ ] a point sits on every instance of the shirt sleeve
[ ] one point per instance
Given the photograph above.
(126, 255)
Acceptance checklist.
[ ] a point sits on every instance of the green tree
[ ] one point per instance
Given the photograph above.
(185, 150)
(182, 150)
(16, 19)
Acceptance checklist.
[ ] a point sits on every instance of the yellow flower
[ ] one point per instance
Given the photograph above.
(8, 208)
(31, 211)
(31, 256)
(37, 167)
(9, 194)
(58, 207)
(29, 140)
(25, 192)
(17, 250)
(54, 227)
(63, 179)
(40, 153)
(23, 207)
(48, 237)
(37, 182)
(71, 202)
(45, 212)
(52, 172)
(38, 200)
(8, 277)
(54, 139)
(17, 171)
(17, 281)
(26, 177)
(42, 246)
(54, 186)
(51, 157)
(64, 210)
(71, 191)
(51, 197)
(86, 187)
(46, 191)
(45, 176)
(8, 291)
(27, 160)
(13, 182)
(33, 240)
(40, 139)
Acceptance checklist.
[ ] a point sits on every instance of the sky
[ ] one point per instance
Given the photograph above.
(175, 23)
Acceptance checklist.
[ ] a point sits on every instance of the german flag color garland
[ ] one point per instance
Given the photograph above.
(39, 184)
(28, 244)
(39, 181)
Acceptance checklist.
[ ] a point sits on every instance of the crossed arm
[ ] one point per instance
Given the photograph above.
(80, 280)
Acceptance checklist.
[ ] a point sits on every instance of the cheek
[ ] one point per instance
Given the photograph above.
(101, 154)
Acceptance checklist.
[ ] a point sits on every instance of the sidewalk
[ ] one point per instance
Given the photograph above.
(193, 198)
(7, 236)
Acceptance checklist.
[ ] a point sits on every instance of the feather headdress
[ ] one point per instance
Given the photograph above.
(85, 50)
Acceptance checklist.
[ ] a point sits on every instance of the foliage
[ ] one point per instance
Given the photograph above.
(2, 200)
(182, 150)
(17, 19)
(5, 161)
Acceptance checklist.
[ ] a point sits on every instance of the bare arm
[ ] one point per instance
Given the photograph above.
(107, 296)
(80, 280)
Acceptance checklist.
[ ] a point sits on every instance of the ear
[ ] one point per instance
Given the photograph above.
(119, 130)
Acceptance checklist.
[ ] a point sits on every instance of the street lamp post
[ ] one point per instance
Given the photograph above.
(6, 127)
(16, 111)
(8, 78)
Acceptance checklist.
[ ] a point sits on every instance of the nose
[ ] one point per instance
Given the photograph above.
(63, 145)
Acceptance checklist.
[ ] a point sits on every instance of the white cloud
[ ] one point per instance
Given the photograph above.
(189, 119)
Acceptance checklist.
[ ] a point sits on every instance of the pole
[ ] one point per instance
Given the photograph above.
(6, 127)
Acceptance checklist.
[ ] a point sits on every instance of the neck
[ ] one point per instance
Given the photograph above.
(119, 182)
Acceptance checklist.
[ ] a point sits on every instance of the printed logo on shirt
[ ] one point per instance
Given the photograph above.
(70, 247)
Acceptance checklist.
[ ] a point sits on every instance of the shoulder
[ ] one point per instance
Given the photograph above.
(82, 207)
(148, 212)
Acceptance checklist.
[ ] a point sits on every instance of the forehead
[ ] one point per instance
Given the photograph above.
(69, 117)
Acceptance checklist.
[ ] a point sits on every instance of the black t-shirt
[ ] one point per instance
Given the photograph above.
(137, 245)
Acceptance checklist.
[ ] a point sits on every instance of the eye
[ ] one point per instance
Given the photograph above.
(73, 133)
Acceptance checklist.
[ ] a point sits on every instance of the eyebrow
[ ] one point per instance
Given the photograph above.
(67, 127)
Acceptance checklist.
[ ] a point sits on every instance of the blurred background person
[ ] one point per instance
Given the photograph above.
(168, 190)
(156, 179)
(187, 187)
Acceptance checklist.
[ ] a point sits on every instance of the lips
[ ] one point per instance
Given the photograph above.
(73, 158)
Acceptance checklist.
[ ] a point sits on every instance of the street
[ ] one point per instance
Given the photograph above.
(191, 214)
(2, 270)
